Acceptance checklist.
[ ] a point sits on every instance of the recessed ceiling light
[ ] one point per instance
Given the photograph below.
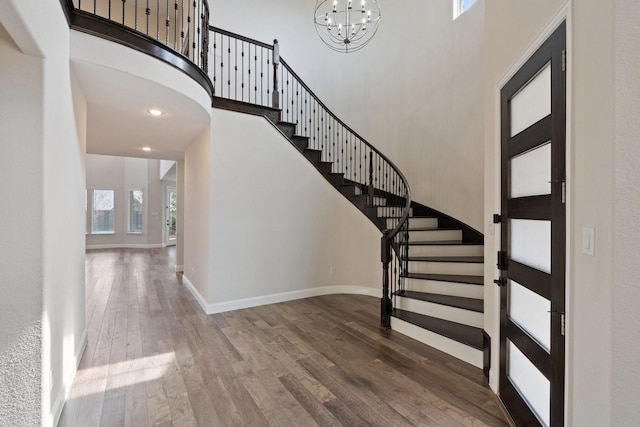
(146, 148)
(155, 112)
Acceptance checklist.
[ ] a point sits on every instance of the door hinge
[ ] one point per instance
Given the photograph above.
(562, 324)
(564, 192)
(500, 281)
(564, 60)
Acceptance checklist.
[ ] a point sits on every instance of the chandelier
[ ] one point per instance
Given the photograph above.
(347, 25)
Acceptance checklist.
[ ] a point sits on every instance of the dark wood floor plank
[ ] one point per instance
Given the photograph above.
(153, 358)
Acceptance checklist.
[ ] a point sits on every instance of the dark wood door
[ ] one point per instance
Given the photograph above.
(533, 239)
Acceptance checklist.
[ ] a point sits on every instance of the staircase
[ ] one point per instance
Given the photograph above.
(441, 300)
(433, 273)
(432, 264)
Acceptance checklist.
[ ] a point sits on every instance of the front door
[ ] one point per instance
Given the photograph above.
(532, 260)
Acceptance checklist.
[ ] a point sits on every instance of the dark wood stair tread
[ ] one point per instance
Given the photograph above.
(464, 334)
(467, 259)
(455, 278)
(431, 228)
(471, 304)
(443, 242)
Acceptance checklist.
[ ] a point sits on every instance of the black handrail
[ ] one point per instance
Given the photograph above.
(247, 70)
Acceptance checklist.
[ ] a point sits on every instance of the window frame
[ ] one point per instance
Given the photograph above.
(459, 9)
(93, 206)
(130, 211)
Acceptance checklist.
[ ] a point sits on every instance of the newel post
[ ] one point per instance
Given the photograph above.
(385, 301)
(275, 102)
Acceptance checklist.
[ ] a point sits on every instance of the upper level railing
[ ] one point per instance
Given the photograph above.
(250, 71)
(175, 31)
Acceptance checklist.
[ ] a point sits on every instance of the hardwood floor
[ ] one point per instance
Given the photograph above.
(154, 359)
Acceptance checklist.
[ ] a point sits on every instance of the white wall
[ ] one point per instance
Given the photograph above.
(21, 229)
(180, 216)
(197, 218)
(602, 297)
(122, 174)
(415, 92)
(280, 226)
(43, 128)
(626, 293)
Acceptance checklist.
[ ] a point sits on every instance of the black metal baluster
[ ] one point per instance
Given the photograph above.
(182, 34)
(235, 70)
(175, 25)
(109, 14)
(94, 8)
(273, 104)
(255, 74)
(360, 161)
(242, 73)
(299, 106)
(215, 45)
(124, 2)
(158, 20)
(199, 18)
(229, 68)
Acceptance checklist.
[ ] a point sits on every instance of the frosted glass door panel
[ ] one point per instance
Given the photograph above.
(533, 386)
(532, 102)
(531, 172)
(531, 243)
(531, 312)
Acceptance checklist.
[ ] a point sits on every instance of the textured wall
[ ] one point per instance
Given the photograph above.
(21, 210)
(626, 278)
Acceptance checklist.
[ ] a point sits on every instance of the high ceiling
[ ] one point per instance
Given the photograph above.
(118, 122)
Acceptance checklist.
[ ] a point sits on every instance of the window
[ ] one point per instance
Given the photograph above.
(103, 212)
(461, 6)
(135, 211)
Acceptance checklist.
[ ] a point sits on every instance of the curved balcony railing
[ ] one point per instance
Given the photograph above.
(174, 31)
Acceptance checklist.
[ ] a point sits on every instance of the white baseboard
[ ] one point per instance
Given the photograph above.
(196, 294)
(221, 307)
(179, 268)
(126, 246)
(61, 398)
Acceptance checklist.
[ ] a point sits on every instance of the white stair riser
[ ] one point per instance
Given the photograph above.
(416, 223)
(446, 250)
(449, 346)
(462, 268)
(444, 288)
(358, 191)
(453, 314)
(379, 201)
(392, 211)
(434, 235)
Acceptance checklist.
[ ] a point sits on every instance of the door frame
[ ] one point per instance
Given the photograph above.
(564, 14)
(165, 215)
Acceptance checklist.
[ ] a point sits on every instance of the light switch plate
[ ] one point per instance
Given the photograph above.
(588, 241)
